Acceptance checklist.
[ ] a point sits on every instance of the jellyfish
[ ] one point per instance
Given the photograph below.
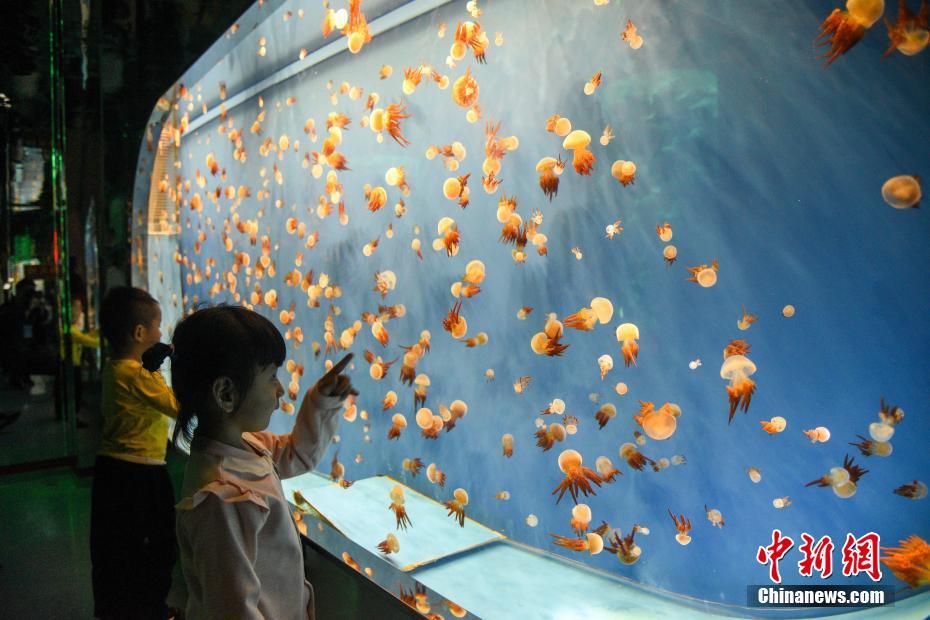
(841, 30)
(389, 545)
(430, 424)
(659, 424)
(628, 334)
(520, 385)
(754, 474)
(871, 447)
(606, 412)
(775, 425)
(413, 465)
(456, 610)
(465, 90)
(582, 159)
(548, 341)
(581, 518)
(737, 369)
(592, 543)
(356, 28)
(547, 436)
(601, 311)
(398, 423)
(910, 562)
(592, 84)
(704, 275)
(412, 78)
(532, 520)
(634, 457)
(449, 237)
(679, 459)
(623, 171)
(914, 490)
(456, 506)
(606, 469)
(397, 506)
(664, 231)
(557, 407)
(489, 375)
(507, 444)
(787, 311)
(889, 415)
(621, 388)
(456, 411)
(902, 192)
(626, 550)
(781, 502)
(469, 34)
(683, 526)
(455, 323)
(502, 495)
(577, 477)
(435, 475)
(629, 35)
(821, 434)
(842, 479)
(613, 229)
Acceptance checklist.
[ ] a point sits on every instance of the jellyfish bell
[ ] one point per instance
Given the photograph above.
(627, 450)
(737, 367)
(754, 474)
(846, 490)
(603, 309)
(621, 388)
(882, 448)
(880, 431)
(670, 252)
(682, 538)
(902, 192)
(461, 496)
(838, 476)
(707, 277)
(577, 139)
(627, 331)
(595, 543)
(532, 520)
(787, 311)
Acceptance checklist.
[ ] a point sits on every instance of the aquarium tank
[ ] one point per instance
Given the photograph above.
(646, 276)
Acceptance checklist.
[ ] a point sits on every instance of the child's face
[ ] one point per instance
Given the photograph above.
(151, 334)
(260, 401)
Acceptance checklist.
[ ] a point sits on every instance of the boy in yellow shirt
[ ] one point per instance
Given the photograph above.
(132, 539)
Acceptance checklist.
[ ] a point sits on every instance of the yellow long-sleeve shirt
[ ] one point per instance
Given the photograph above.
(79, 340)
(135, 406)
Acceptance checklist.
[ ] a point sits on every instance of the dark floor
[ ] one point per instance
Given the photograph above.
(45, 523)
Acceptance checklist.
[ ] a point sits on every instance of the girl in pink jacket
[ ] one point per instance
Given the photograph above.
(240, 550)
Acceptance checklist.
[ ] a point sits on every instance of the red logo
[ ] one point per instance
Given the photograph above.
(860, 555)
(817, 557)
(773, 553)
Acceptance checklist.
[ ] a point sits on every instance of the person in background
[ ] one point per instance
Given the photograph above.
(16, 332)
(240, 550)
(132, 541)
(79, 340)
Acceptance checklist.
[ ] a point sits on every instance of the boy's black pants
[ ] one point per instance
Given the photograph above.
(132, 539)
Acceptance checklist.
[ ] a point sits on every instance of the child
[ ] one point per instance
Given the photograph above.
(132, 541)
(240, 549)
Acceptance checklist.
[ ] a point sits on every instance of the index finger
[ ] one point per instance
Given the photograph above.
(339, 366)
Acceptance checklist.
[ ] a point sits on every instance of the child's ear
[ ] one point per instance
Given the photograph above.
(138, 332)
(224, 394)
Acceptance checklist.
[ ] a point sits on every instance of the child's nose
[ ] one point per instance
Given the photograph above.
(280, 387)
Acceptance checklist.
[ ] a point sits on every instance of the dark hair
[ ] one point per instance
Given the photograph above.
(220, 341)
(122, 309)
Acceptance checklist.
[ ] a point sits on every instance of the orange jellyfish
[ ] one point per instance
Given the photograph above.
(869, 447)
(390, 399)
(634, 458)
(601, 311)
(910, 562)
(605, 363)
(581, 518)
(465, 90)
(714, 516)
(626, 550)
(775, 425)
(670, 254)
(412, 78)
(592, 543)
(549, 169)
(914, 490)
(704, 275)
(456, 506)
(356, 28)
(389, 545)
(910, 35)
(413, 465)
(398, 423)
(548, 341)
(507, 444)
(842, 479)
(900, 192)
(582, 159)
(746, 320)
(606, 469)
(397, 507)
(577, 477)
(683, 526)
(430, 423)
(547, 436)
(623, 171)
(737, 369)
(422, 383)
(628, 334)
(435, 475)
(592, 84)
(659, 424)
(605, 414)
(455, 323)
(841, 30)
(819, 434)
